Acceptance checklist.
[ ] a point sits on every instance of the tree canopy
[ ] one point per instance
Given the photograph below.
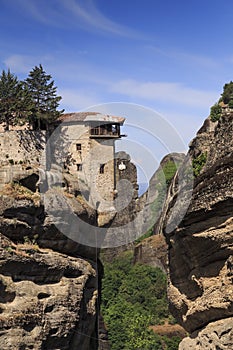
(44, 96)
(226, 98)
(15, 100)
(227, 94)
(32, 101)
(133, 298)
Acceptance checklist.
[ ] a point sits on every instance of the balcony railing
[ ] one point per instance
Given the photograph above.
(105, 131)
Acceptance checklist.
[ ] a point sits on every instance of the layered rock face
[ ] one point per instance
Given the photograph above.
(200, 248)
(49, 268)
(48, 282)
(48, 299)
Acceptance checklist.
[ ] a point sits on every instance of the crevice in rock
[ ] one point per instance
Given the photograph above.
(43, 295)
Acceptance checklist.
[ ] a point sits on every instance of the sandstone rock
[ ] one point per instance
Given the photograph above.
(216, 335)
(200, 249)
(152, 251)
(48, 299)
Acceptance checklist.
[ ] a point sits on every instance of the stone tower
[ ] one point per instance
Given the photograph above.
(91, 158)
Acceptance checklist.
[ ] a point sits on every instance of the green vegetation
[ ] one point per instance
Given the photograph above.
(198, 163)
(43, 93)
(215, 112)
(15, 100)
(164, 177)
(227, 95)
(32, 241)
(169, 170)
(148, 234)
(133, 298)
(32, 101)
(226, 98)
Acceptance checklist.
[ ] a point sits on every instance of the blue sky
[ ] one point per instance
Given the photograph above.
(170, 56)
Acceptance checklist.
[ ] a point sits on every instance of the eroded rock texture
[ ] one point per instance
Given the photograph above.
(48, 282)
(216, 335)
(47, 299)
(200, 248)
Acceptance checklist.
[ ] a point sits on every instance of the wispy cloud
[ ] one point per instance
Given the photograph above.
(24, 63)
(74, 13)
(77, 99)
(87, 12)
(165, 92)
(185, 57)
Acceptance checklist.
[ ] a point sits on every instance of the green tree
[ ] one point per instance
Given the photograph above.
(15, 101)
(227, 94)
(215, 112)
(133, 298)
(44, 95)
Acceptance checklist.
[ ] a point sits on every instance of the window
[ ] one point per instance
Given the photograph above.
(78, 147)
(102, 168)
(79, 167)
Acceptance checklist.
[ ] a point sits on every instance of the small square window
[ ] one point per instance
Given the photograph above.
(79, 167)
(78, 147)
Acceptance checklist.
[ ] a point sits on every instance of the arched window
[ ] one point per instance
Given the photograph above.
(102, 168)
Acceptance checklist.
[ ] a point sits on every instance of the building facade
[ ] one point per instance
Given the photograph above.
(91, 159)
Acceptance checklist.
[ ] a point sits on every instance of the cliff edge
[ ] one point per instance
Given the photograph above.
(200, 249)
(48, 282)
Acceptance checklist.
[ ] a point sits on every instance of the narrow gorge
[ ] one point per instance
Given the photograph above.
(50, 284)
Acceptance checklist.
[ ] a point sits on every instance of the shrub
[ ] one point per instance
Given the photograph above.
(215, 112)
(18, 192)
(198, 163)
(169, 170)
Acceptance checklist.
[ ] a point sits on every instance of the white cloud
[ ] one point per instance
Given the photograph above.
(190, 59)
(87, 12)
(165, 92)
(73, 13)
(75, 100)
(24, 63)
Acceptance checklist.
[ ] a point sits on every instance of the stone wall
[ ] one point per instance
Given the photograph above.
(85, 156)
(20, 154)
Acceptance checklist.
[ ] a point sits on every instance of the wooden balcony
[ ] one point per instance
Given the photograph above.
(105, 131)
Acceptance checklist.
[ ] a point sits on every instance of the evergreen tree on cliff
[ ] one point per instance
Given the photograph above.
(15, 100)
(45, 98)
(227, 95)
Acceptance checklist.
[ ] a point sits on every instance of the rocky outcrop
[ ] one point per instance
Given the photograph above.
(50, 272)
(152, 251)
(49, 285)
(47, 299)
(200, 248)
(216, 335)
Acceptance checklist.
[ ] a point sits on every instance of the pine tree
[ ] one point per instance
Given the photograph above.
(45, 98)
(227, 94)
(15, 101)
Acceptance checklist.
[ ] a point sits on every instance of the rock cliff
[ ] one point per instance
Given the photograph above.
(48, 299)
(49, 276)
(48, 282)
(200, 248)
(49, 285)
